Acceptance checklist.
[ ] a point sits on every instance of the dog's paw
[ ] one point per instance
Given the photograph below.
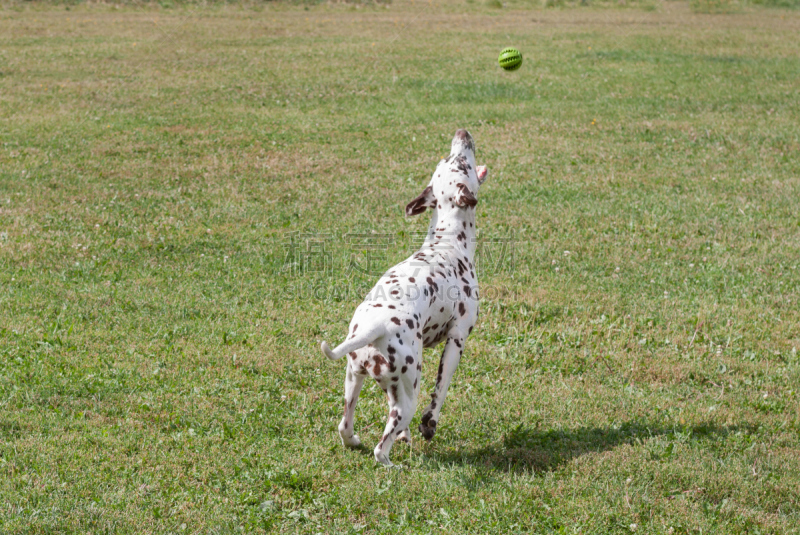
(428, 431)
(405, 436)
(351, 442)
(383, 459)
(427, 427)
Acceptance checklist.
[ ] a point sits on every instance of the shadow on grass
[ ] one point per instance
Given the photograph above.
(10, 431)
(526, 449)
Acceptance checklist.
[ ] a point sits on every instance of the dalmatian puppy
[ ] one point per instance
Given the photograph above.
(428, 298)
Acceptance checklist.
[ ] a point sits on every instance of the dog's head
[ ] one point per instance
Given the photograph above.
(455, 183)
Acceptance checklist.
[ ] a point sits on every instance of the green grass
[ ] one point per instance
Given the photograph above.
(635, 365)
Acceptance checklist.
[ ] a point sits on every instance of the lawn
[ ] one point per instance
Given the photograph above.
(193, 197)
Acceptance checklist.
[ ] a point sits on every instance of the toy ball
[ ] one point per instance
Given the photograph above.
(510, 59)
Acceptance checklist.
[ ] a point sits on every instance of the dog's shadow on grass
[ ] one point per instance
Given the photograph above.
(529, 449)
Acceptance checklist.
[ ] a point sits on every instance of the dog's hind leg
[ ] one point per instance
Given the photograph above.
(401, 409)
(405, 436)
(415, 370)
(353, 382)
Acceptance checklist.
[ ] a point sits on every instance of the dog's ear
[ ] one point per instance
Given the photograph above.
(483, 173)
(465, 197)
(425, 200)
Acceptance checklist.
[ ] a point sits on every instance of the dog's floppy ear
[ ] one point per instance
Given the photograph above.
(465, 197)
(483, 173)
(425, 200)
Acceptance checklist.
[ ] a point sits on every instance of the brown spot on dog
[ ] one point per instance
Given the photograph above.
(396, 320)
(410, 324)
(379, 359)
(462, 309)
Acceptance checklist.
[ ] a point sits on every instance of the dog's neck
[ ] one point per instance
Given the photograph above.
(453, 230)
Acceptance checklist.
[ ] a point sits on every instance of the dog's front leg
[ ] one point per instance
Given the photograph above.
(451, 355)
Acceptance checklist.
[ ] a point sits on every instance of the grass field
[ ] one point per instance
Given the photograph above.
(187, 196)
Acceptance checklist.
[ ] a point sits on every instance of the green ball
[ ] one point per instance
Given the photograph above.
(510, 59)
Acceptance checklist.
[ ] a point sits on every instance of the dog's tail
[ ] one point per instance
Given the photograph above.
(362, 339)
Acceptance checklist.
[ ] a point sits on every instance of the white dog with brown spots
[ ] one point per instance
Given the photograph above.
(430, 297)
